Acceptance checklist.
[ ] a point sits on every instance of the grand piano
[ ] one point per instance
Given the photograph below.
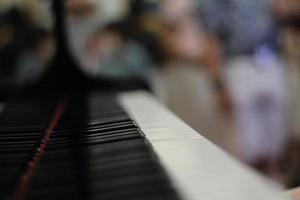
(110, 140)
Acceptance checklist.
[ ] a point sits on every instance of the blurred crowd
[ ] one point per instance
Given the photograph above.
(229, 68)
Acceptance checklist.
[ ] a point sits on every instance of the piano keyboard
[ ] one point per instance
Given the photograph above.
(125, 146)
(90, 150)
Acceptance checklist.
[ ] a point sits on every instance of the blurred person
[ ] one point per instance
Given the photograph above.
(189, 80)
(20, 34)
(82, 21)
(256, 78)
(119, 56)
(259, 93)
(99, 44)
(144, 25)
(34, 61)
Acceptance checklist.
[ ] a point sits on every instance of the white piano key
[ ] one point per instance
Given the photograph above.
(197, 168)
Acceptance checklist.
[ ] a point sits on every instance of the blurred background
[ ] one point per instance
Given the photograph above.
(228, 68)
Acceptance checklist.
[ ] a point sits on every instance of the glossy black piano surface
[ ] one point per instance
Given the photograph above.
(77, 148)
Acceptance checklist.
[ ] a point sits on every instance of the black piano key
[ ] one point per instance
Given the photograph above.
(22, 126)
(97, 128)
(14, 157)
(69, 191)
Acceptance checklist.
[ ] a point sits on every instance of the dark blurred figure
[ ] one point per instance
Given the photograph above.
(142, 24)
(19, 36)
(118, 55)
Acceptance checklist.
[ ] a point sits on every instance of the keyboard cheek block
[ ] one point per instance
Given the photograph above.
(77, 149)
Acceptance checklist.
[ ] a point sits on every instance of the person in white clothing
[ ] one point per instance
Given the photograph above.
(258, 88)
